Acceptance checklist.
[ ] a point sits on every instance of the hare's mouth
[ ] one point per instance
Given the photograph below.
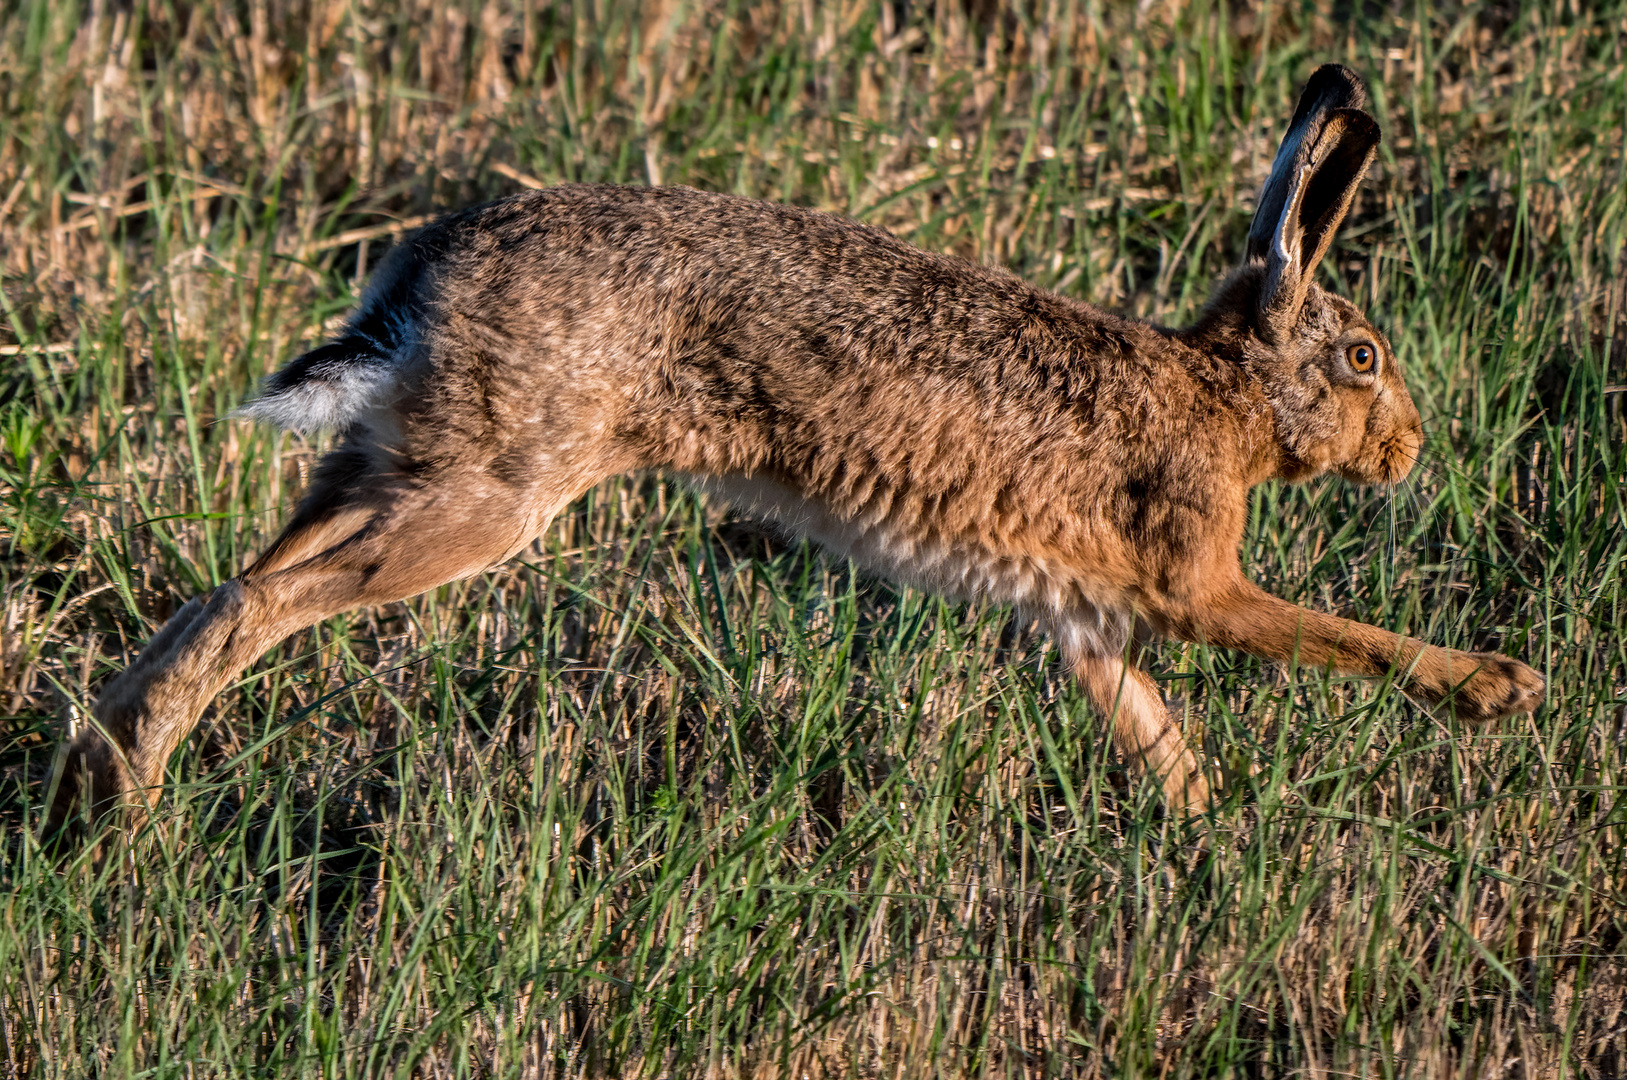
(1388, 463)
(1399, 453)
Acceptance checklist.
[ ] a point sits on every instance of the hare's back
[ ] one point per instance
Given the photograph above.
(695, 310)
(676, 264)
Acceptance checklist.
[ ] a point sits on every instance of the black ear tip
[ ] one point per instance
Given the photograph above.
(1333, 86)
(1337, 72)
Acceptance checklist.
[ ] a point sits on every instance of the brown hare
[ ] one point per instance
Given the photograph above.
(941, 423)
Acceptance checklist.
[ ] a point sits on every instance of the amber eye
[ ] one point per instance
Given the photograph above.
(1361, 357)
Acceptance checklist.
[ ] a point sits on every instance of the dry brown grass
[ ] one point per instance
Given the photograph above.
(669, 799)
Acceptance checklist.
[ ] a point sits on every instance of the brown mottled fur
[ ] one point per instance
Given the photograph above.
(944, 424)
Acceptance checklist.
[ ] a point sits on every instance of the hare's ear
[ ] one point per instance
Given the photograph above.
(1329, 145)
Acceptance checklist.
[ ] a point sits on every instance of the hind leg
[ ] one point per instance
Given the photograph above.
(93, 770)
(346, 547)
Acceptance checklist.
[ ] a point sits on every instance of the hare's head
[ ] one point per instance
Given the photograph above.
(1331, 377)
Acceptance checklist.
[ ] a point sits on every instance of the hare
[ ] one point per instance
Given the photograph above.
(943, 424)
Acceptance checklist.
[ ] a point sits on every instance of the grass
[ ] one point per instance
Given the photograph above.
(668, 797)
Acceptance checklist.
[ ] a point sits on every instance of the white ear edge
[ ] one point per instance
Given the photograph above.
(1286, 278)
(1285, 245)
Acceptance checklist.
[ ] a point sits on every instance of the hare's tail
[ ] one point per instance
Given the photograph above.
(331, 387)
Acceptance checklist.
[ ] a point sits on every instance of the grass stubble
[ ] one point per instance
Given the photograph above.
(670, 797)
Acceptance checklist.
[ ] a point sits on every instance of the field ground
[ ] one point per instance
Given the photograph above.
(667, 797)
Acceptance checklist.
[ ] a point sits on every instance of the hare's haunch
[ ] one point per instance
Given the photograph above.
(942, 424)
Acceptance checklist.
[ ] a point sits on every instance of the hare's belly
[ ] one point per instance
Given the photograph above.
(917, 557)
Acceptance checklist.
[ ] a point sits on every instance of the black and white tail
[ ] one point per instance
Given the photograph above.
(341, 383)
(330, 388)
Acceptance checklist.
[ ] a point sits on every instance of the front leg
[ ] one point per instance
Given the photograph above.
(1143, 729)
(1477, 687)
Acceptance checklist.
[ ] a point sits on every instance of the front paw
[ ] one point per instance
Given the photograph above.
(1486, 686)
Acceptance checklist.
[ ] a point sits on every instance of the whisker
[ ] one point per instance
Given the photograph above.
(1390, 502)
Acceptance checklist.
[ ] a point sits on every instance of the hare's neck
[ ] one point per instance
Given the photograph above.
(1232, 394)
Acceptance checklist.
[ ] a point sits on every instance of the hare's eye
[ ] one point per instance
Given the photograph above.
(1361, 357)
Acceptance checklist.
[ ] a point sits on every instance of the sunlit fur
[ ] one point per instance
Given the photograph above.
(942, 423)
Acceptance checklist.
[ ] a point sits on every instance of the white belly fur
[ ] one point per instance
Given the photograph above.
(1081, 620)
